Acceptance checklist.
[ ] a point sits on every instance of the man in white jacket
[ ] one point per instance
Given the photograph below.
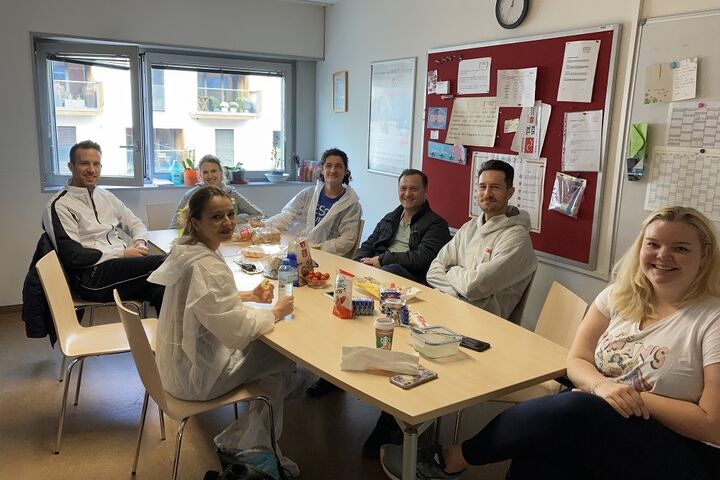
(89, 227)
(490, 260)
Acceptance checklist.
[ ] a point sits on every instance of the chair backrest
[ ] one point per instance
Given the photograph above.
(361, 225)
(159, 215)
(58, 297)
(517, 313)
(561, 315)
(142, 353)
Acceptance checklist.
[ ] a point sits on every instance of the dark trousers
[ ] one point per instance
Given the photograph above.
(397, 269)
(578, 435)
(128, 275)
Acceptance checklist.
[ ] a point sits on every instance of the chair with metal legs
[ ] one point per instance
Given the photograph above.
(558, 321)
(76, 341)
(177, 409)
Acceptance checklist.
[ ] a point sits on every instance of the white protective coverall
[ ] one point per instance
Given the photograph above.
(488, 264)
(336, 232)
(206, 337)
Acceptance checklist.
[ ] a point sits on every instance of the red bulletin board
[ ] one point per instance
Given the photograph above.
(562, 238)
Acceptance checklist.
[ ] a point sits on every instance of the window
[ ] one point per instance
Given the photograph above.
(66, 138)
(147, 107)
(225, 146)
(158, 90)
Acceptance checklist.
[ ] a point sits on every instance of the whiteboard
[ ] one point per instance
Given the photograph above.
(662, 40)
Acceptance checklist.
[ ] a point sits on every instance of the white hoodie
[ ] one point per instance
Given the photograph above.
(488, 264)
(205, 333)
(336, 232)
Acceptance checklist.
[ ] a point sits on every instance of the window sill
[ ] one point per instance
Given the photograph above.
(251, 184)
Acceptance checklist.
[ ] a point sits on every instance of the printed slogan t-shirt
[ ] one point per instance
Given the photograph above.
(324, 205)
(666, 357)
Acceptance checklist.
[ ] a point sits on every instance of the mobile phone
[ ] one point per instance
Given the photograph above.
(410, 381)
(474, 344)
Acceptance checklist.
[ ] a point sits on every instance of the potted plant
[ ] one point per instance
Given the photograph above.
(233, 106)
(214, 104)
(224, 106)
(277, 174)
(240, 99)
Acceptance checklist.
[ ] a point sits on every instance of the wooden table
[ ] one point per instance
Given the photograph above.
(315, 337)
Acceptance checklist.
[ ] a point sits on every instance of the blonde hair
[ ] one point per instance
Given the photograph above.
(632, 293)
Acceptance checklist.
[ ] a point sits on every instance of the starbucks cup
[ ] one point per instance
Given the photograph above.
(384, 328)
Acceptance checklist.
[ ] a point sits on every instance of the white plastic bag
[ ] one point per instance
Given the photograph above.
(366, 358)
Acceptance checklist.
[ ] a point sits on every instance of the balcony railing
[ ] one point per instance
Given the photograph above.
(77, 97)
(229, 100)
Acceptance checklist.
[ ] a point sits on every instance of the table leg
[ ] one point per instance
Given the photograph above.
(410, 446)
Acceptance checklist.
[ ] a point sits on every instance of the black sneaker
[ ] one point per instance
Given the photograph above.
(321, 388)
(386, 431)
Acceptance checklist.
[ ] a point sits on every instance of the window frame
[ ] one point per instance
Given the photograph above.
(223, 64)
(46, 107)
(141, 59)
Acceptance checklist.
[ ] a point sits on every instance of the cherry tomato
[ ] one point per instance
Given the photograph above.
(325, 276)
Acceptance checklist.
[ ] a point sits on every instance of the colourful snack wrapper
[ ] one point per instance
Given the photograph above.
(343, 307)
(304, 260)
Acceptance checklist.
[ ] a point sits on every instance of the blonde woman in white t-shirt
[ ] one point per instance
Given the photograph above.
(646, 364)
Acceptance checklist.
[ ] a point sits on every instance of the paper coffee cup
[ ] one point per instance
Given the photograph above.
(384, 329)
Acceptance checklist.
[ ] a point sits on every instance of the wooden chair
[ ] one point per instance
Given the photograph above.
(559, 319)
(159, 215)
(517, 313)
(177, 409)
(75, 340)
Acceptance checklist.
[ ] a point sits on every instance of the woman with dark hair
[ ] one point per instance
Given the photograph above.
(211, 173)
(328, 214)
(206, 340)
(654, 415)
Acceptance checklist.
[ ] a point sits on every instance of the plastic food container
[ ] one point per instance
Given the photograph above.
(436, 342)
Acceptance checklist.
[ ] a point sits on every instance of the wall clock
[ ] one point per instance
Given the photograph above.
(511, 13)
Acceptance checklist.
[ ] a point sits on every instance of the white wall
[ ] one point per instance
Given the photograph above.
(409, 28)
(260, 26)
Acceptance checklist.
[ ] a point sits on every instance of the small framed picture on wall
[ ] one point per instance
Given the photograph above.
(339, 91)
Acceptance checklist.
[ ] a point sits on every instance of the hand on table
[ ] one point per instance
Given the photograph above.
(284, 306)
(263, 293)
(373, 261)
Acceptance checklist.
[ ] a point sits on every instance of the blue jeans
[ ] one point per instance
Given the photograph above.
(579, 435)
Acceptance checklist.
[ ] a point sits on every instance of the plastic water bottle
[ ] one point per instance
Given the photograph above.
(286, 276)
(292, 257)
(176, 173)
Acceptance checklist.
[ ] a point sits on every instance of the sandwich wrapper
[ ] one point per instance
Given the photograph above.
(367, 358)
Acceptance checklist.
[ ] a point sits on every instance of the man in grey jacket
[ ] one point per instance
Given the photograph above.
(489, 263)
(490, 260)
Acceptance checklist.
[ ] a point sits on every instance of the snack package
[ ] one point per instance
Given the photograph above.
(266, 235)
(243, 233)
(370, 285)
(343, 306)
(304, 260)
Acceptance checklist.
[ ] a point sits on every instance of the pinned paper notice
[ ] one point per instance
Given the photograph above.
(578, 71)
(442, 88)
(511, 125)
(516, 88)
(434, 134)
(474, 76)
(671, 82)
(431, 81)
